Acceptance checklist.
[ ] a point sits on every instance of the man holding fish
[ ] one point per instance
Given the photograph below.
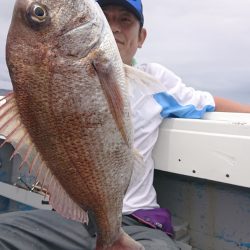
(153, 96)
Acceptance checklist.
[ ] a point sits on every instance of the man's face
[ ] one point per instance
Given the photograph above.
(126, 29)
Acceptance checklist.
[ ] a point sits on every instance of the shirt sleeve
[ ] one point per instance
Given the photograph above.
(178, 100)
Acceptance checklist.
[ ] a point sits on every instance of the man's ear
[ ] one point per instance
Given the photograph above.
(142, 37)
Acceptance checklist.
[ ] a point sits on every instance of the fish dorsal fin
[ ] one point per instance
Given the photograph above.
(15, 133)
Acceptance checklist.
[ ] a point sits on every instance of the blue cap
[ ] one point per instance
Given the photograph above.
(135, 6)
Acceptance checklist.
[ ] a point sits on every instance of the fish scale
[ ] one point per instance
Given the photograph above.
(73, 126)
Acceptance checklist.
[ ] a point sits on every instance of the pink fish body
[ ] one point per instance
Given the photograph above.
(69, 116)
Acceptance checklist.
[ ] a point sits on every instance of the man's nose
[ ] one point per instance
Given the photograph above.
(115, 27)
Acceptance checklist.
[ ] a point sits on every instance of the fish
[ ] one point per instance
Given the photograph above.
(69, 115)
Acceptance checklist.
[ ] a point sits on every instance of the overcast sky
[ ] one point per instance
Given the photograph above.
(205, 42)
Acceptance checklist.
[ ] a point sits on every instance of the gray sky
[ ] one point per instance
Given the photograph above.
(205, 42)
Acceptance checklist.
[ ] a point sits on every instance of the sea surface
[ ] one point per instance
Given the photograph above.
(4, 91)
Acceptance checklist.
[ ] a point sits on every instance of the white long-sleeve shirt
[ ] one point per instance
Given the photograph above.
(150, 105)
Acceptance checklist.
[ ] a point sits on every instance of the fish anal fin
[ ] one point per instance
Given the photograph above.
(46, 183)
(62, 202)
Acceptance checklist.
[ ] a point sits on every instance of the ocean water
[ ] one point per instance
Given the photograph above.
(4, 91)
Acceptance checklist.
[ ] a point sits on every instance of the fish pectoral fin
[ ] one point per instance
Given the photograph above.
(113, 96)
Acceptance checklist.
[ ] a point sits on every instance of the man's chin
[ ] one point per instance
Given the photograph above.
(119, 45)
(121, 50)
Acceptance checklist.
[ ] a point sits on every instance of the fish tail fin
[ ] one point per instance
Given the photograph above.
(124, 242)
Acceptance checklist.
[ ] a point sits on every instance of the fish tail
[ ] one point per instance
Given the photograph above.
(124, 242)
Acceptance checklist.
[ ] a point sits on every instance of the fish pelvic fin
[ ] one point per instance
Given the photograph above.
(138, 168)
(113, 94)
(138, 77)
(43, 181)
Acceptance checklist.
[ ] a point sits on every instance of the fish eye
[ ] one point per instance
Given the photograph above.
(38, 15)
(38, 12)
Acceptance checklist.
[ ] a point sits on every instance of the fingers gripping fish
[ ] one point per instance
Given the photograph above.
(69, 115)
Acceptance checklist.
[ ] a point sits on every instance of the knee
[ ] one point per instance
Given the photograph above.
(159, 244)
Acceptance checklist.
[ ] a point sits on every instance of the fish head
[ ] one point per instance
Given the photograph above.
(44, 32)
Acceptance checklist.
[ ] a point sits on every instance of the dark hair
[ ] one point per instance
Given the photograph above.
(134, 6)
